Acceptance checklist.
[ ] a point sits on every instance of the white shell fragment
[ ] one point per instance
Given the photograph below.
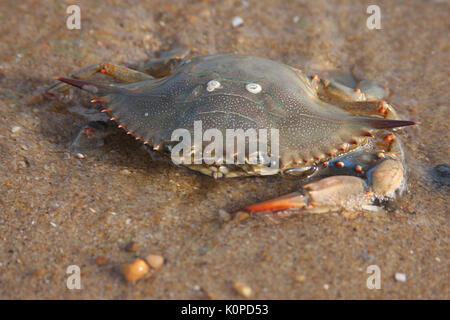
(400, 277)
(237, 21)
(253, 88)
(212, 85)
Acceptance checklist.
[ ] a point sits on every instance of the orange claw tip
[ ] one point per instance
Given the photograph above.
(292, 200)
(96, 100)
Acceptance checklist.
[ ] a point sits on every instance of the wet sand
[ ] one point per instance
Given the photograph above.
(57, 210)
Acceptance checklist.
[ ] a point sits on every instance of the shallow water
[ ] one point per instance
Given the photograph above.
(59, 211)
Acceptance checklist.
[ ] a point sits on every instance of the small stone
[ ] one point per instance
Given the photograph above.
(326, 286)
(243, 289)
(400, 277)
(135, 270)
(39, 272)
(224, 215)
(237, 21)
(16, 129)
(300, 278)
(438, 259)
(80, 156)
(131, 247)
(125, 172)
(241, 216)
(441, 175)
(101, 260)
(155, 261)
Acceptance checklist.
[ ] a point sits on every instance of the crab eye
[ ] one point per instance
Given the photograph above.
(212, 85)
(253, 88)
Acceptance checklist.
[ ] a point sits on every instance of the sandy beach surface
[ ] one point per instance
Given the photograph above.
(57, 210)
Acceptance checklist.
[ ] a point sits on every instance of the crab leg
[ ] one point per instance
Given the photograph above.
(165, 64)
(345, 87)
(118, 72)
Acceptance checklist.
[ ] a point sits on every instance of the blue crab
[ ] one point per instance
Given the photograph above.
(336, 132)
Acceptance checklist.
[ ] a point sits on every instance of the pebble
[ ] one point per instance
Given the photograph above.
(125, 172)
(237, 21)
(155, 261)
(300, 278)
(131, 247)
(224, 215)
(243, 289)
(241, 216)
(326, 286)
(16, 129)
(135, 270)
(80, 156)
(101, 260)
(441, 175)
(39, 272)
(400, 277)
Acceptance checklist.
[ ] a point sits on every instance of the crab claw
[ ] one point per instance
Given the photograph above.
(335, 191)
(291, 200)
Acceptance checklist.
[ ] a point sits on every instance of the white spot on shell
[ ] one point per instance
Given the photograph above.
(253, 88)
(146, 114)
(212, 85)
